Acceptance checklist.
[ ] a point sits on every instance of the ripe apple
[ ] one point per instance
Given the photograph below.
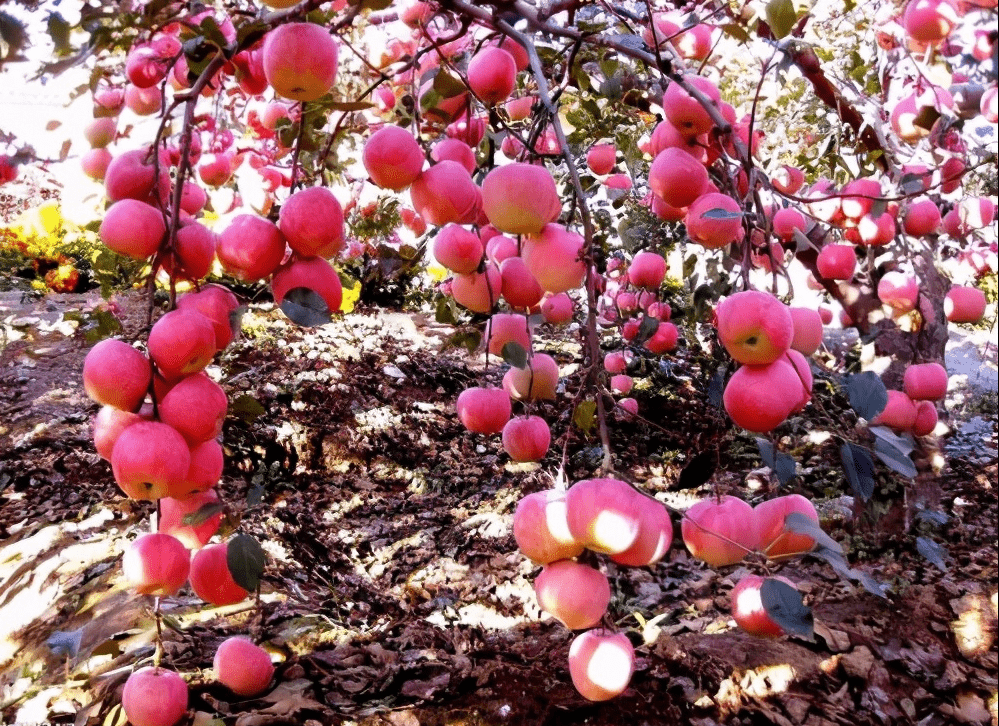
(156, 564)
(786, 221)
(194, 252)
(684, 111)
(108, 425)
(964, 304)
(393, 158)
(837, 262)
(243, 667)
(143, 101)
(211, 579)
(574, 593)
(478, 291)
(677, 178)
(647, 270)
(709, 230)
(484, 410)
(553, 257)
(922, 218)
(313, 273)
(458, 249)
(604, 514)
(747, 607)
(154, 697)
(217, 303)
(788, 179)
(150, 459)
(492, 74)
(116, 374)
(520, 289)
(601, 664)
(312, 221)
(858, 196)
(770, 515)
(541, 528)
(664, 339)
(760, 398)
(95, 163)
(133, 228)
(898, 291)
(807, 330)
(207, 462)
(538, 380)
(720, 532)
(170, 519)
(926, 418)
(526, 438)
(520, 198)
(899, 414)
(455, 150)
(925, 382)
(601, 158)
(557, 309)
(300, 61)
(250, 248)
(929, 21)
(655, 534)
(755, 327)
(182, 342)
(196, 407)
(446, 193)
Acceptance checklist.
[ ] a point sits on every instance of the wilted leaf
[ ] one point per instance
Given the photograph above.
(859, 469)
(934, 552)
(204, 513)
(246, 560)
(305, 307)
(514, 354)
(246, 408)
(837, 560)
(784, 606)
(448, 86)
(347, 106)
(868, 395)
(584, 417)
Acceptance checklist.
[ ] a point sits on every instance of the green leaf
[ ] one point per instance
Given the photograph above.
(781, 17)
(514, 354)
(59, 32)
(246, 408)
(719, 213)
(246, 560)
(698, 470)
(305, 307)
(204, 513)
(895, 459)
(646, 329)
(448, 86)
(859, 469)
(868, 395)
(584, 416)
(800, 523)
(444, 312)
(467, 339)
(784, 606)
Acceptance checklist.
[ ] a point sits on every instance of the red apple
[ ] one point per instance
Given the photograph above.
(455, 150)
(156, 564)
(250, 248)
(922, 218)
(538, 380)
(312, 222)
(747, 607)
(755, 327)
(655, 534)
(116, 374)
(601, 158)
(95, 163)
(171, 519)
(898, 291)
(458, 249)
(604, 514)
(720, 532)
(775, 542)
(446, 193)
(133, 228)
(601, 664)
(149, 460)
(196, 407)
(242, 667)
(647, 270)
(664, 339)
(964, 304)
(300, 61)
(926, 418)
(503, 328)
(526, 438)
(553, 257)
(207, 462)
(899, 414)
(925, 382)
(393, 158)
(684, 111)
(313, 273)
(837, 262)
(194, 252)
(677, 178)
(478, 291)
(520, 198)
(217, 303)
(557, 309)
(574, 593)
(211, 579)
(182, 342)
(704, 225)
(108, 425)
(541, 528)
(807, 330)
(484, 410)
(760, 398)
(154, 697)
(520, 289)
(492, 74)
(788, 220)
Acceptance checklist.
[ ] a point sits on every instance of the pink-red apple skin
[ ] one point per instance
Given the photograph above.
(216, 303)
(526, 438)
(574, 593)
(770, 515)
(492, 74)
(760, 398)
(207, 462)
(541, 528)
(925, 382)
(755, 327)
(604, 514)
(647, 270)
(926, 418)
(154, 697)
(211, 579)
(171, 519)
(747, 607)
(458, 249)
(478, 291)
(300, 61)
(538, 380)
(182, 342)
(313, 273)
(393, 158)
(149, 459)
(655, 534)
(251, 247)
(712, 232)
(557, 309)
(243, 667)
(837, 262)
(721, 532)
(964, 304)
(677, 178)
(108, 425)
(156, 564)
(601, 158)
(484, 410)
(898, 414)
(196, 407)
(503, 328)
(808, 330)
(312, 221)
(445, 193)
(133, 228)
(553, 258)
(601, 664)
(116, 374)
(520, 289)
(520, 198)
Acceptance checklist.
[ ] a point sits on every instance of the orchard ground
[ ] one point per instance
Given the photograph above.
(394, 592)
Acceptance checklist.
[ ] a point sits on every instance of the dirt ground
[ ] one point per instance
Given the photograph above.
(394, 593)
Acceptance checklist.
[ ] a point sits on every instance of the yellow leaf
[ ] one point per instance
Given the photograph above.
(351, 294)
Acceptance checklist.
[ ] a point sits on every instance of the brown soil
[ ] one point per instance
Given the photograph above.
(394, 593)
